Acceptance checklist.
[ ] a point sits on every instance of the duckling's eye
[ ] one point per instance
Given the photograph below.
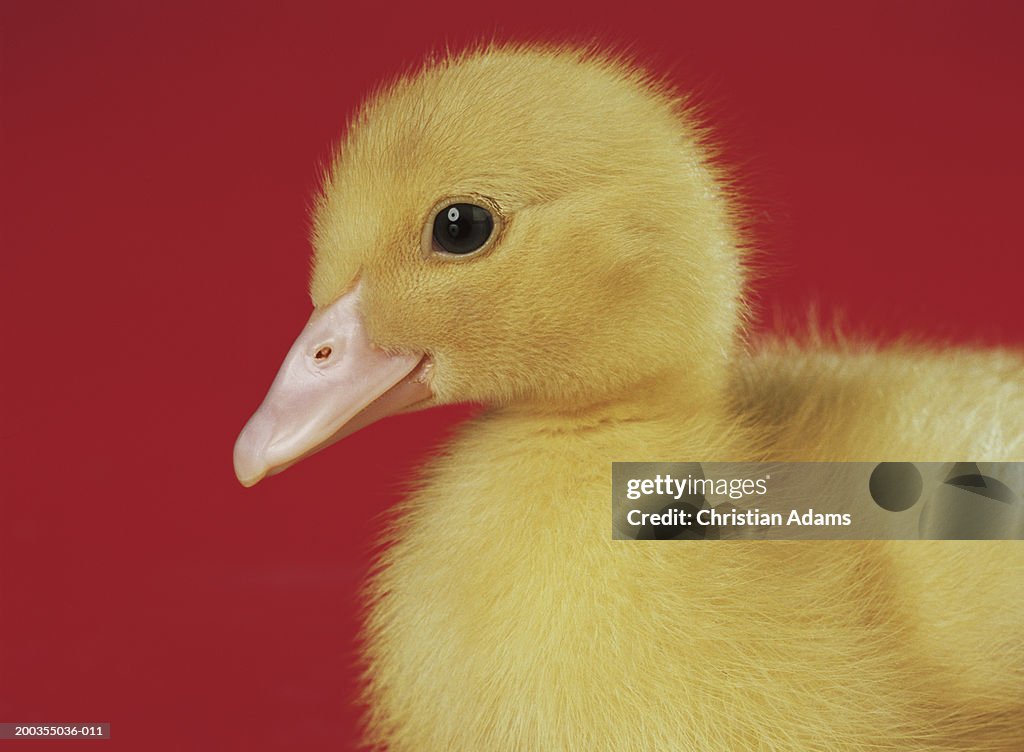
(462, 228)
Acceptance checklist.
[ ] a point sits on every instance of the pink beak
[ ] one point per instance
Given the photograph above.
(333, 382)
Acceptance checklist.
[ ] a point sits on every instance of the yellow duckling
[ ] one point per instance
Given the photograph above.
(543, 231)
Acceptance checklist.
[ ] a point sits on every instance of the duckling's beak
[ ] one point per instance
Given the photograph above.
(333, 382)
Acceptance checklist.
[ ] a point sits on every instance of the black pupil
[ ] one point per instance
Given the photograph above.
(462, 228)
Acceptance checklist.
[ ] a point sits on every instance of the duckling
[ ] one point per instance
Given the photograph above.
(544, 231)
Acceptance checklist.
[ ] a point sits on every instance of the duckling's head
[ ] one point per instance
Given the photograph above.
(509, 226)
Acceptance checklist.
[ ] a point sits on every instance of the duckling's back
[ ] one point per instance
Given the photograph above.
(847, 403)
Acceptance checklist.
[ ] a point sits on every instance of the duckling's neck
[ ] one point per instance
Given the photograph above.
(664, 418)
(539, 478)
(526, 470)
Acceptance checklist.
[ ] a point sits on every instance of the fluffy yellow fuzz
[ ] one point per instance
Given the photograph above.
(606, 324)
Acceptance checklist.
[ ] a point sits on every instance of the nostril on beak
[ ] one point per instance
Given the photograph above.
(322, 354)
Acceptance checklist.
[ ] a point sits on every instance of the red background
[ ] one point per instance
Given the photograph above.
(157, 168)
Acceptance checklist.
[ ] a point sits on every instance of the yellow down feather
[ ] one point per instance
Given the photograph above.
(608, 324)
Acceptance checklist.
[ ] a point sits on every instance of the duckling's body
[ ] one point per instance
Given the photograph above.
(505, 617)
(598, 314)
